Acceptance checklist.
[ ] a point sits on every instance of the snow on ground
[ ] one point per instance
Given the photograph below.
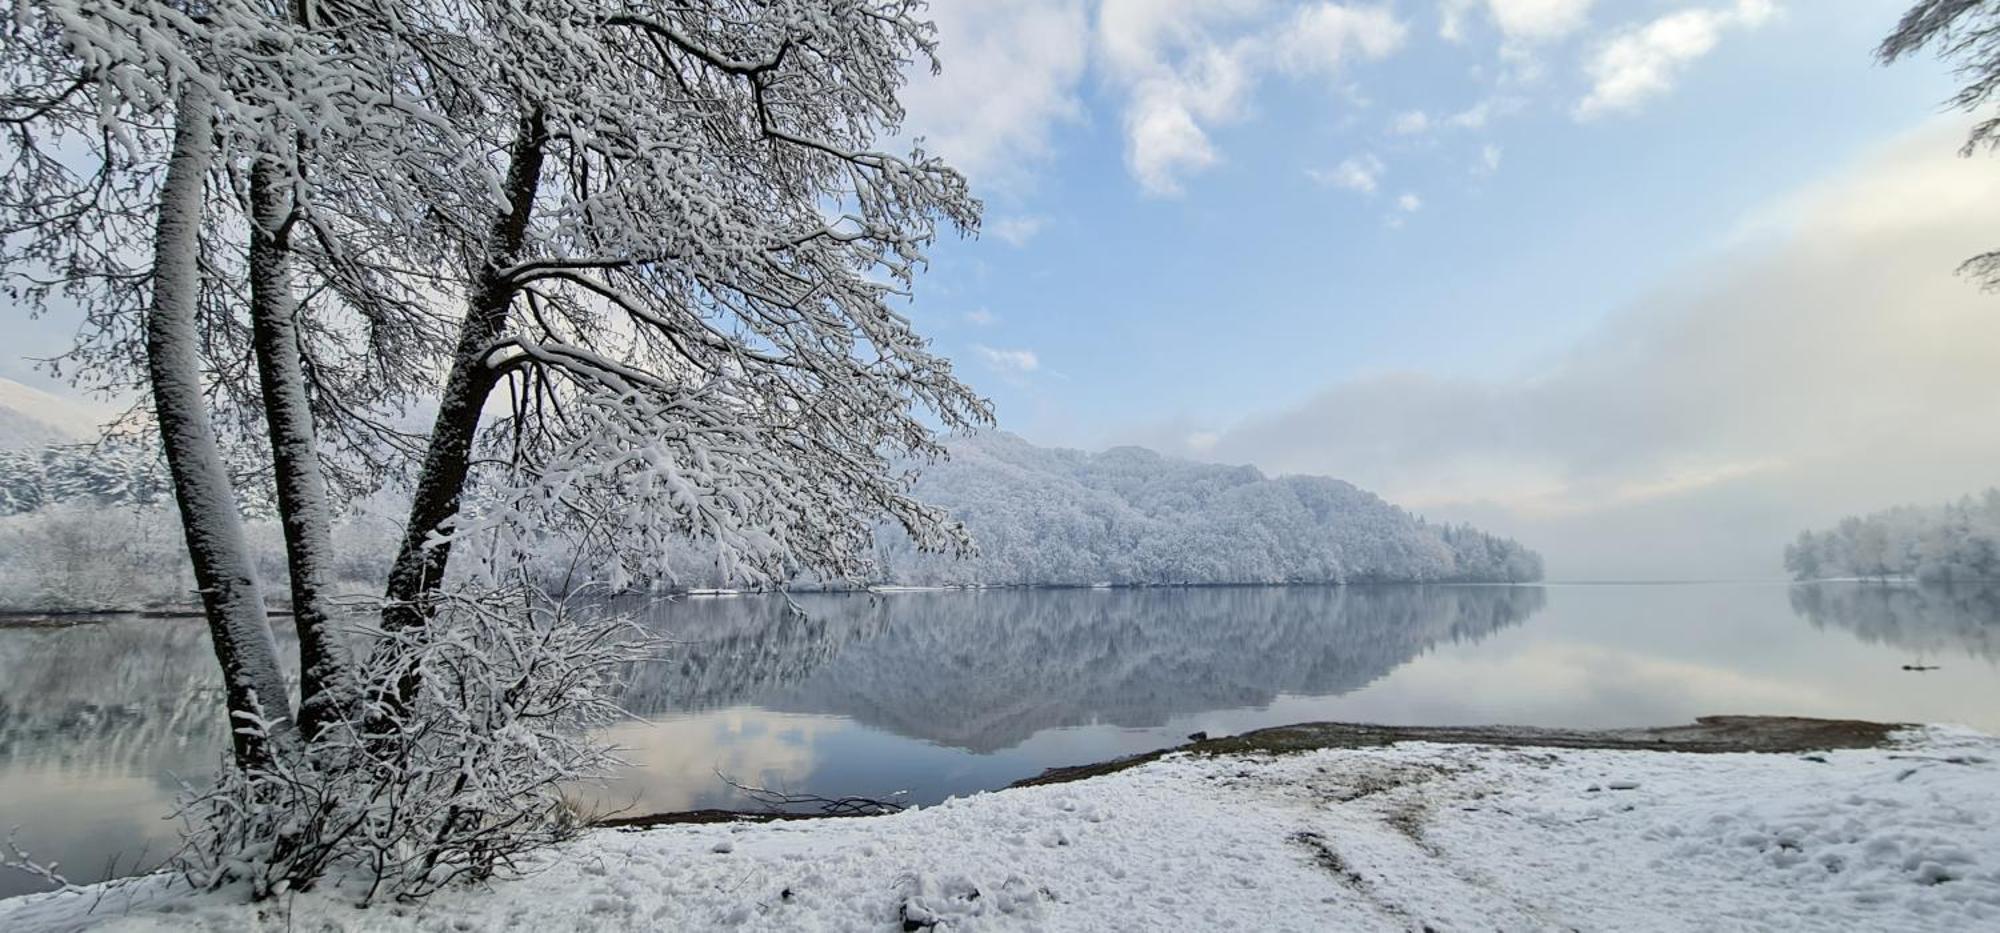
(1417, 836)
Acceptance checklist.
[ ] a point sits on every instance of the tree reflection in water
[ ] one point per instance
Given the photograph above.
(1930, 620)
(984, 670)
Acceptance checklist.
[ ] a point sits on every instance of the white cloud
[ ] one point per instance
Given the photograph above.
(1473, 117)
(1642, 63)
(1011, 69)
(1320, 38)
(980, 317)
(1489, 160)
(1014, 231)
(1410, 123)
(1189, 65)
(1538, 20)
(1164, 141)
(1409, 203)
(1452, 15)
(1827, 364)
(1201, 440)
(1177, 75)
(1359, 173)
(1013, 361)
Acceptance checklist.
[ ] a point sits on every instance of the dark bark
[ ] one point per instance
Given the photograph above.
(325, 676)
(252, 680)
(420, 563)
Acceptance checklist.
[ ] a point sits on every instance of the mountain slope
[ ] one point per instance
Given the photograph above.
(1130, 515)
(32, 418)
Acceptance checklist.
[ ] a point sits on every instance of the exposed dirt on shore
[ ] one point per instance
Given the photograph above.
(1706, 735)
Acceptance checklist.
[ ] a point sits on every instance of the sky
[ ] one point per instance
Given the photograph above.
(1648, 284)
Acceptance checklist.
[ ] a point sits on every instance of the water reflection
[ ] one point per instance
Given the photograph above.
(113, 698)
(984, 671)
(96, 721)
(951, 692)
(977, 670)
(1929, 620)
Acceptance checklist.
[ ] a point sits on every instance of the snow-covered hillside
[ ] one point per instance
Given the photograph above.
(1129, 515)
(31, 418)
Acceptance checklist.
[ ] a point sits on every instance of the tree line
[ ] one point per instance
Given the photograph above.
(1956, 541)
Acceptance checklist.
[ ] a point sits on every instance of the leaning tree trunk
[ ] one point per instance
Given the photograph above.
(253, 684)
(420, 563)
(325, 677)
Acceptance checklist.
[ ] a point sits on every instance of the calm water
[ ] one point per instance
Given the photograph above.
(936, 694)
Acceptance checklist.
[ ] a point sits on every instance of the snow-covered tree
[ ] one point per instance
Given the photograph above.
(1965, 33)
(153, 98)
(671, 237)
(1955, 541)
(113, 472)
(685, 289)
(675, 247)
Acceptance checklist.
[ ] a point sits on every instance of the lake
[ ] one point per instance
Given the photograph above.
(919, 696)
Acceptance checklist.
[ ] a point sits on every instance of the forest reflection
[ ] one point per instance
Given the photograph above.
(976, 670)
(983, 670)
(1931, 620)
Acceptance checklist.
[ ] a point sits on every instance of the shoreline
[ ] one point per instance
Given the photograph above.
(1729, 822)
(1720, 734)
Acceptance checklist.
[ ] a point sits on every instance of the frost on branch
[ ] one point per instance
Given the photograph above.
(708, 203)
(697, 334)
(457, 784)
(764, 491)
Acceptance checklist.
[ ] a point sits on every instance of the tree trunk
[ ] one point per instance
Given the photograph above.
(325, 677)
(420, 563)
(223, 569)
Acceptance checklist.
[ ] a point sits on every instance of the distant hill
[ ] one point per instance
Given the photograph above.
(32, 418)
(1129, 515)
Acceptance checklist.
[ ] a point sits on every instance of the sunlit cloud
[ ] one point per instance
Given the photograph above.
(1642, 63)
(1186, 67)
(1011, 71)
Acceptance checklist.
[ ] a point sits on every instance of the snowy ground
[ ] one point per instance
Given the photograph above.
(1415, 836)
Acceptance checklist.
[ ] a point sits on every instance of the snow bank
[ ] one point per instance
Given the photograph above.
(1418, 835)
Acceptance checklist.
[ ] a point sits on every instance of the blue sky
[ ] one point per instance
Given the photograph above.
(1254, 286)
(1651, 284)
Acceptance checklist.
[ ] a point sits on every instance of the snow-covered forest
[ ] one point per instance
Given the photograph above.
(1955, 541)
(1129, 515)
(93, 527)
